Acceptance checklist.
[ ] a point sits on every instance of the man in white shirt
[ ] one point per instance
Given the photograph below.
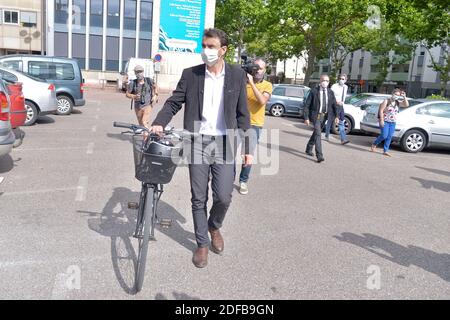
(215, 102)
(340, 92)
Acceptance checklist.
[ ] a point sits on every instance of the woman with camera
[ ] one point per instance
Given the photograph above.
(387, 115)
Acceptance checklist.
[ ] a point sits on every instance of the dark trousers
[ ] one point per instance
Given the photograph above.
(316, 137)
(255, 133)
(209, 164)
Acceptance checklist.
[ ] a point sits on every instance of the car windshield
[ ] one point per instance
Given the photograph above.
(355, 98)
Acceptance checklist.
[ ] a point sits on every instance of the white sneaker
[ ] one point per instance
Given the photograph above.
(244, 188)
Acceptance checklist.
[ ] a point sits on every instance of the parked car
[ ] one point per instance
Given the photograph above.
(423, 125)
(63, 73)
(40, 96)
(127, 73)
(287, 99)
(6, 134)
(18, 113)
(355, 106)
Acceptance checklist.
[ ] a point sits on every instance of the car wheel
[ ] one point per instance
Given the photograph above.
(32, 113)
(348, 126)
(65, 105)
(413, 141)
(277, 110)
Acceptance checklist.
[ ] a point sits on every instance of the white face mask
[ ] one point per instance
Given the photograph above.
(210, 56)
(342, 82)
(324, 84)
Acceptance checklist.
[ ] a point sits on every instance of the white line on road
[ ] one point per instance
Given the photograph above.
(1, 179)
(97, 117)
(15, 193)
(98, 109)
(90, 148)
(82, 189)
(94, 129)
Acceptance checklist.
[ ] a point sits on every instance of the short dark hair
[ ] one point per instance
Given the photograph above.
(218, 34)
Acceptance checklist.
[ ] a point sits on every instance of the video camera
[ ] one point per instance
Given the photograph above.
(249, 65)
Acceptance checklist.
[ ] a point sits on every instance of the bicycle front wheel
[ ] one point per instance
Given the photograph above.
(144, 239)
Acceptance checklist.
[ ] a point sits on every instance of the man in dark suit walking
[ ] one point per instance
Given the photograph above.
(215, 99)
(319, 106)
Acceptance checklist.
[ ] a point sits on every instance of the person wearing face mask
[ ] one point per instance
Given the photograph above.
(214, 96)
(143, 93)
(387, 115)
(319, 106)
(340, 92)
(258, 93)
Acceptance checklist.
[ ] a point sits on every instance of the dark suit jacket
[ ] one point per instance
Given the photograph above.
(189, 92)
(312, 104)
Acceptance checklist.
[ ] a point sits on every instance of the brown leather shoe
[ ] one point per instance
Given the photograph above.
(216, 241)
(200, 258)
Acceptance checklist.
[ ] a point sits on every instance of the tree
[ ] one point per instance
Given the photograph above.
(427, 23)
(308, 25)
(239, 19)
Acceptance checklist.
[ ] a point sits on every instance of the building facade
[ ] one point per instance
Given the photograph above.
(21, 25)
(415, 76)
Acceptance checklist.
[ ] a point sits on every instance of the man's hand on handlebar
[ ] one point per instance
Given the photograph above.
(159, 130)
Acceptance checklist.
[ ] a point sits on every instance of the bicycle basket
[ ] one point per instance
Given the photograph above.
(154, 161)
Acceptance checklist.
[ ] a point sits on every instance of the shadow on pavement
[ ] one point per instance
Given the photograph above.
(437, 263)
(292, 151)
(44, 120)
(118, 222)
(436, 171)
(431, 184)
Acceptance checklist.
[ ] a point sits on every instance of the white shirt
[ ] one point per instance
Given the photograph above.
(213, 115)
(322, 90)
(339, 91)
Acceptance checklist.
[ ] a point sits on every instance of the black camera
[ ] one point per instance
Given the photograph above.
(249, 65)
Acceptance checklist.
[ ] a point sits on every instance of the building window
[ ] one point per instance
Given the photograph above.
(79, 15)
(10, 17)
(112, 53)
(129, 19)
(95, 52)
(114, 14)
(146, 19)
(97, 13)
(28, 19)
(61, 8)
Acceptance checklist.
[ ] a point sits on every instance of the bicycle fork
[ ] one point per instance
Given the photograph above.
(146, 198)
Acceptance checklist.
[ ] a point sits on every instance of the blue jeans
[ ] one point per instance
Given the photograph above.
(245, 171)
(387, 132)
(342, 131)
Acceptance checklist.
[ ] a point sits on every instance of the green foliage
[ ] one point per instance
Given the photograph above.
(437, 97)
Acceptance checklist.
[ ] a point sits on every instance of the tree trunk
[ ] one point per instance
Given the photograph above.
(310, 67)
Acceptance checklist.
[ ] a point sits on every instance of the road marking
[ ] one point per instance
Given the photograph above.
(82, 189)
(1, 179)
(289, 124)
(90, 148)
(94, 129)
(97, 117)
(98, 109)
(14, 193)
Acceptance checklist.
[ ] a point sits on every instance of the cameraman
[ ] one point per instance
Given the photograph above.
(258, 93)
(143, 93)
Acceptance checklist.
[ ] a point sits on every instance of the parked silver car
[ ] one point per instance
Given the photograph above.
(423, 125)
(7, 137)
(40, 96)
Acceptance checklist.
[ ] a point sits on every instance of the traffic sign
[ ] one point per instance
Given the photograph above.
(158, 57)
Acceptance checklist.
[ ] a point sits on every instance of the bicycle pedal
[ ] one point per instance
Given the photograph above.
(165, 223)
(133, 205)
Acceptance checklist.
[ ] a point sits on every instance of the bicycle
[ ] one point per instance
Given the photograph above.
(155, 160)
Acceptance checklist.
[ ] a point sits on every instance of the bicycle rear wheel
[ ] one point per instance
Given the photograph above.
(143, 238)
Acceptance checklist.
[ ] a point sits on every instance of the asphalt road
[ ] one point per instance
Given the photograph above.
(358, 226)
